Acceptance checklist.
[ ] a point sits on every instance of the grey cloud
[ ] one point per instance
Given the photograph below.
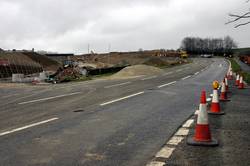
(68, 26)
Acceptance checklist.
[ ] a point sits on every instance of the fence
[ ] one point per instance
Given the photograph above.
(8, 70)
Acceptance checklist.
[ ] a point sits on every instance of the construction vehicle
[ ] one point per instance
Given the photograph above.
(183, 54)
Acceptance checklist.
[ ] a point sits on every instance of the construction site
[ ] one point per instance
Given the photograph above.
(31, 67)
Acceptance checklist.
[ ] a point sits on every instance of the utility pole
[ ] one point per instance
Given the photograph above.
(109, 47)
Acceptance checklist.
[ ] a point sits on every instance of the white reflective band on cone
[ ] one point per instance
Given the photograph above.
(215, 96)
(202, 115)
(241, 79)
(223, 89)
(226, 81)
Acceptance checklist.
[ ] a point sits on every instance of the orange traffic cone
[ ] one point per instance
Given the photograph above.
(241, 84)
(215, 105)
(230, 74)
(226, 84)
(237, 80)
(223, 94)
(202, 135)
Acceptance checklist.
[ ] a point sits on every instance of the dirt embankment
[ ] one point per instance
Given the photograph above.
(136, 71)
(129, 58)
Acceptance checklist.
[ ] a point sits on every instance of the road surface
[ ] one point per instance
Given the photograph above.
(101, 122)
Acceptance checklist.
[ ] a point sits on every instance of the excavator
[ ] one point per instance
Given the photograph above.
(183, 54)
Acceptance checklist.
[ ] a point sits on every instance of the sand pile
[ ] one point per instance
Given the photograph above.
(136, 70)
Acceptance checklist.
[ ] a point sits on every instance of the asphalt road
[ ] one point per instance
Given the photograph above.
(101, 122)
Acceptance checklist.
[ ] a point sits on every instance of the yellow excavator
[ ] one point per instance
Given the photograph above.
(183, 54)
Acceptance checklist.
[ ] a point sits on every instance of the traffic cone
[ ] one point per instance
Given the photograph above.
(237, 80)
(226, 84)
(215, 105)
(241, 84)
(223, 94)
(202, 135)
(230, 74)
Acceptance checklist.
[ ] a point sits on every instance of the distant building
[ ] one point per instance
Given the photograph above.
(60, 57)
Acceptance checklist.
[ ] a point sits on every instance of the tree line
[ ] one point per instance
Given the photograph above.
(216, 46)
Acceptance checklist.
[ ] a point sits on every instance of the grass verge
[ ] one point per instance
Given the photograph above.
(236, 68)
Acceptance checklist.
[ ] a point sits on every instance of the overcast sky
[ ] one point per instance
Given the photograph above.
(69, 25)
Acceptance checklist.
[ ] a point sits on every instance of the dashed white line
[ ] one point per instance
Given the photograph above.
(168, 73)
(170, 146)
(178, 70)
(175, 140)
(186, 77)
(170, 83)
(182, 132)
(28, 126)
(165, 152)
(188, 123)
(156, 163)
(49, 98)
(115, 85)
(196, 73)
(126, 97)
(196, 112)
(148, 78)
(209, 99)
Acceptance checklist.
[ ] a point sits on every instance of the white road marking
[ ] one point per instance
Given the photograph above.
(182, 132)
(169, 148)
(138, 76)
(188, 123)
(115, 85)
(28, 126)
(196, 73)
(49, 98)
(170, 83)
(156, 163)
(209, 99)
(178, 70)
(148, 78)
(168, 73)
(165, 152)
(175, 140)
(196, 112)
(112, 101)
(186, 77)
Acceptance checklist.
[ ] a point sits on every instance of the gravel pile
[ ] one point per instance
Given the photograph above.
(137, 70)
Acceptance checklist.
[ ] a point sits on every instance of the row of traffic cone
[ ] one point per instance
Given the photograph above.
(202, 135)
(239, 82)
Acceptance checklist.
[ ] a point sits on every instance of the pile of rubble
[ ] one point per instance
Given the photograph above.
(67, 73)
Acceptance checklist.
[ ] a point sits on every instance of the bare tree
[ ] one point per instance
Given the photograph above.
(240, 19)
(218, 46)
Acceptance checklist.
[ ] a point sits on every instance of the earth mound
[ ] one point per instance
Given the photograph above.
(137, 70)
